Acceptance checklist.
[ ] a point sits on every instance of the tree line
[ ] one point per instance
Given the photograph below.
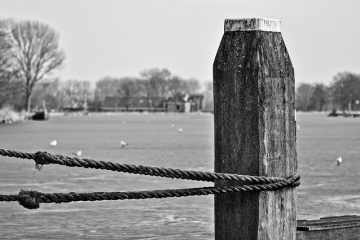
(152, 83)
(343, 93)
(74, 93)
(30, 53)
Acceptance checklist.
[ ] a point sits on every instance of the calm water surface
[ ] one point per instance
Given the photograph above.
(326, 189)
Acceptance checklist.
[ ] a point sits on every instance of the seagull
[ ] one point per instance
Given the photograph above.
(172, 125)
(123, 143)
(339, 160)
(53, 143)
(180, 130)
(78, 153)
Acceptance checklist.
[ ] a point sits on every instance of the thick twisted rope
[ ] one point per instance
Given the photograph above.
(32, 199)
(42, 158)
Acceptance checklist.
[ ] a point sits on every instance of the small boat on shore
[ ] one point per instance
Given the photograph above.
(40, 116)
(354, 114)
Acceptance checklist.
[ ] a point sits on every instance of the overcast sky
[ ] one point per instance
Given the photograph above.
(121, 38)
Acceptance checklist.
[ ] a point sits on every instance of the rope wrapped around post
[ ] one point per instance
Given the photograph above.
(32, 199)
(43, 158)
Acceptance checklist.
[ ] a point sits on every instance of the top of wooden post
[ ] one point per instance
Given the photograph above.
(252, 24)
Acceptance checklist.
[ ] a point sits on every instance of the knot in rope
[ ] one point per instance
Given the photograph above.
(39, 160)
(42, 158)
(28, 199)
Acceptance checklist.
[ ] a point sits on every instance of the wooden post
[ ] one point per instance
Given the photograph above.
(254, 97)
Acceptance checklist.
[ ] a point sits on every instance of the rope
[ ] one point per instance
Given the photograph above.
(32, 199)
(42, 158)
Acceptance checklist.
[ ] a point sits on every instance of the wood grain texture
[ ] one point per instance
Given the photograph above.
(254, 96)
(352, 233)
(337, 227)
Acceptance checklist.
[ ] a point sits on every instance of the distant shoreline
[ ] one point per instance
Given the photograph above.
(57, 114)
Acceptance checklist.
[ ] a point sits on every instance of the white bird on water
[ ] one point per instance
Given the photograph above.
(172, 125)
(180, 130)
(123, 143)
(53, 143)
(339, 160)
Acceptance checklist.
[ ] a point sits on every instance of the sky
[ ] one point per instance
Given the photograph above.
(123, 37)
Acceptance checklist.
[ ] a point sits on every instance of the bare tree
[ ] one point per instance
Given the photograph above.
(8, 84)
(319, 98)
(304, 92)
(5, 50)
(128, 89)
(47, 90)
(70, 89)
(346, 89)
(76, 92)
(37, 53)
(177, 85)
(106, 87)
(156, 81)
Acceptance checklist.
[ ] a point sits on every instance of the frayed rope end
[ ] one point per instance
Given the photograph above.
(38, 167)
(40, 160)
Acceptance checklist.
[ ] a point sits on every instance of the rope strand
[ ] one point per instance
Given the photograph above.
(32, 199)
(42, 158)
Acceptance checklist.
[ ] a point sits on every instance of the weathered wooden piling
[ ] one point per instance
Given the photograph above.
(255, 129)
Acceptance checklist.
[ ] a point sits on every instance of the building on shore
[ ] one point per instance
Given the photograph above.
(180, 103)
(139, 104)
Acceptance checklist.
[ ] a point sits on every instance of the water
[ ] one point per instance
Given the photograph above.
(326, 189)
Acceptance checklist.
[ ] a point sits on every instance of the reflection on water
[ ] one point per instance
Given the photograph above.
(326, 189)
